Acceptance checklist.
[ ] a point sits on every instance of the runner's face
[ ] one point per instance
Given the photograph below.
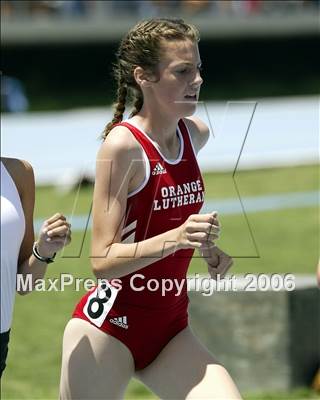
(177, 90)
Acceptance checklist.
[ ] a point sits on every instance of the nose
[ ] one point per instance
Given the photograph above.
(198, 81)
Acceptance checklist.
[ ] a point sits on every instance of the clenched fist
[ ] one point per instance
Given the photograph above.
(55, 233)
(218, 261)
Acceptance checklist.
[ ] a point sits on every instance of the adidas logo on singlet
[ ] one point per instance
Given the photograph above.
(120, 321)
(158, 169)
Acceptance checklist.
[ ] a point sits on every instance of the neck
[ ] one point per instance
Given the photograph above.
(159, 126)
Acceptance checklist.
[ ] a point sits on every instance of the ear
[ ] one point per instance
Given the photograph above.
(141, 77)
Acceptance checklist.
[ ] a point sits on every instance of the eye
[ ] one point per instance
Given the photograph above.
(182, 71)
(200, 68)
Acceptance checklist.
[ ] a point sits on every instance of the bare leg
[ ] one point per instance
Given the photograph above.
(94, 364)
(186, 370)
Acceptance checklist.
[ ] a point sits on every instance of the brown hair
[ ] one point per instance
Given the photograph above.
(142, 47)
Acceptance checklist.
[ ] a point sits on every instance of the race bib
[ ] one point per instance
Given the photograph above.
(100, 302)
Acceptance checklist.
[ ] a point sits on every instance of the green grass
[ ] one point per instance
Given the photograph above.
(218, 185)
(263, 181)
(297, 394)
(287, 241)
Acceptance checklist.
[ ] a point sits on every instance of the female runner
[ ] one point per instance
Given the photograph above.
(19, 253)
(148, 193)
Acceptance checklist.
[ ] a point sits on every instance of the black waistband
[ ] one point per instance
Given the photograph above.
(4, 337)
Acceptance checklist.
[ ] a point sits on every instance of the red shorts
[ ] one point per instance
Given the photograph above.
(144, 331)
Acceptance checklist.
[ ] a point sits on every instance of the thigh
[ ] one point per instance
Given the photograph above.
(94, 365)
(186, 370)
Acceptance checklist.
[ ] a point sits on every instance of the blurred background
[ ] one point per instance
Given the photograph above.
(261, 169)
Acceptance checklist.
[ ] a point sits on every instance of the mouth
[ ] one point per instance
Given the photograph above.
(191, 97)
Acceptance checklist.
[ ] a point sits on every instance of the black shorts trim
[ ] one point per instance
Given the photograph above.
(4, 340)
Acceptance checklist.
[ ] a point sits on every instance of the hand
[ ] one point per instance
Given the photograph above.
(55, 233)
(218, 261)
(199, 230)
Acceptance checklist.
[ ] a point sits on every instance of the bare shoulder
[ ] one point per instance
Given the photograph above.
(199, 132)
(121, 150)
(17, 166)
(120, 142)
(21, 172)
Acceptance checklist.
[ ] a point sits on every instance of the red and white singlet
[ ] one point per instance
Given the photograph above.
(146, 320)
